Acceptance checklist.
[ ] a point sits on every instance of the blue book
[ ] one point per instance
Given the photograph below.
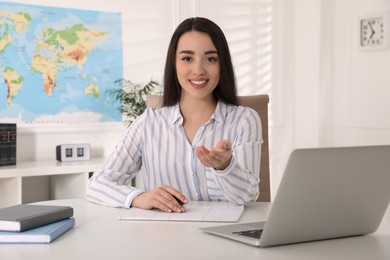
(41, 235)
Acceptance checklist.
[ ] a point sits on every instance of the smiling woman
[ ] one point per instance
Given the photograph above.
(211, 145)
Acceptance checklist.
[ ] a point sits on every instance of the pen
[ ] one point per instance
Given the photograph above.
(179, 201)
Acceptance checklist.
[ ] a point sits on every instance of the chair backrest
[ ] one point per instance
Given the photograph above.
(259, 103)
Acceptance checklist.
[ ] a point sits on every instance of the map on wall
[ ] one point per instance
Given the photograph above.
(57, 64)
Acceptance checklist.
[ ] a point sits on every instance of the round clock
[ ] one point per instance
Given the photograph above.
(374, 31)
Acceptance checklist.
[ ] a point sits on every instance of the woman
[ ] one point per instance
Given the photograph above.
(199, 146)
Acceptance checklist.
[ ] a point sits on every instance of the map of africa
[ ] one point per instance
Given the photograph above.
(57, 64)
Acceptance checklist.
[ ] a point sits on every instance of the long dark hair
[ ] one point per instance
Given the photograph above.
(226, 90)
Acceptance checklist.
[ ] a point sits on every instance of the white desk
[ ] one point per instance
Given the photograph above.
(99, 234)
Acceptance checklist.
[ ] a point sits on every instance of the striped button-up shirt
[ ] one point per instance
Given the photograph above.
(156, 141)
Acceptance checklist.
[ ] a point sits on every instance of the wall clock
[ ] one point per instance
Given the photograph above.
(374, 31)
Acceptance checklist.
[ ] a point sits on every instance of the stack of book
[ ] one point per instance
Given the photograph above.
(27, 223)
(7, 144)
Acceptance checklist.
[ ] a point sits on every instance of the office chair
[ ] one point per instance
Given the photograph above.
(259, 103)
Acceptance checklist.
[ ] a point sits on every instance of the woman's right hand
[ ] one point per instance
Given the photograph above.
(163, 198)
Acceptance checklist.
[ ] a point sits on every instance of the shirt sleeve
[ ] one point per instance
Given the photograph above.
(111, 185)
(239, 182)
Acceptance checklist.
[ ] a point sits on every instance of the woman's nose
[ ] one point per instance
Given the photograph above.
(198, 68)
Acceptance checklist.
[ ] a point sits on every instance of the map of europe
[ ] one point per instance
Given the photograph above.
(57, 64)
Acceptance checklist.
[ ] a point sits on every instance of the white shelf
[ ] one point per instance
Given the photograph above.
(32, 181)
(52, 167)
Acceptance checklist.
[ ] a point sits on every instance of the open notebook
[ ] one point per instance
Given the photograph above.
(211, 212)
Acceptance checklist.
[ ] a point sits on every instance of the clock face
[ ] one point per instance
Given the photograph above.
(373, 31)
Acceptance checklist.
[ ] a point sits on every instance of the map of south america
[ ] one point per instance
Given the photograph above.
(57, 64)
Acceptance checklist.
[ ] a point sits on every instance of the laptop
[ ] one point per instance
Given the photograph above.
(325, 193)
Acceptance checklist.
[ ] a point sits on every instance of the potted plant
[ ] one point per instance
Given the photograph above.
(133, 97)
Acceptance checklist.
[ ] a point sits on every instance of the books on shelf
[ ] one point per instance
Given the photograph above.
(7, 144)
(41, 235)
(23, 217)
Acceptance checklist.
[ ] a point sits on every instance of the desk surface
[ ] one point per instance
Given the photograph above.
(99, 234)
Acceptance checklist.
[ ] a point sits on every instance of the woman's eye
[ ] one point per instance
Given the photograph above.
(211, 59)
(187, 59)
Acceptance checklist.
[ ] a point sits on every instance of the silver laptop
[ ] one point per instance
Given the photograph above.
(325, 193)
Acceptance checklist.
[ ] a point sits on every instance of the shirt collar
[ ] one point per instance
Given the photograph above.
(219, 114)
(177, 117)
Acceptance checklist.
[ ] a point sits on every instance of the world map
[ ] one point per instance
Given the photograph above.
(57, 65)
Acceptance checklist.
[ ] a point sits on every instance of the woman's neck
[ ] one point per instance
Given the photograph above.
(195, 108)
(195, 113)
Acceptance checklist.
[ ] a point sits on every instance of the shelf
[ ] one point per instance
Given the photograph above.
(52, 167)
(32, 181)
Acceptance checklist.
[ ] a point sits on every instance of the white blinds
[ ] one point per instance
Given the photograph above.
(247, 25)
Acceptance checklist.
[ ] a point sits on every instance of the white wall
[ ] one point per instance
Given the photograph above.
(362, 107)
(333, 93)
(341, 92)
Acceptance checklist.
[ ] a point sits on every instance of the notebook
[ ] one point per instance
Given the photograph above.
(41, 235)
(325, 193)
(22, 217)
(212, 212)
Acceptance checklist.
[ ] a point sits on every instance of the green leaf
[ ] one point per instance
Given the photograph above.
(133, 97)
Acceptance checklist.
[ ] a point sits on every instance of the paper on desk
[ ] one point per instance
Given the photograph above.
(197, 213)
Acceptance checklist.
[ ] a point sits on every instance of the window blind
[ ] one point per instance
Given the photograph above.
(247, 25)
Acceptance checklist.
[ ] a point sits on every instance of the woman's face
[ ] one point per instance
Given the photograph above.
(197, 65)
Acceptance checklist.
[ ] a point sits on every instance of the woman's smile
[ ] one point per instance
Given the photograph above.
(199, 83)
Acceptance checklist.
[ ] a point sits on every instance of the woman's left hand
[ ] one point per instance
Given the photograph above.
(218, 158)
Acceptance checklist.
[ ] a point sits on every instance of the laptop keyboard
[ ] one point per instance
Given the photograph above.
(255, 233)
